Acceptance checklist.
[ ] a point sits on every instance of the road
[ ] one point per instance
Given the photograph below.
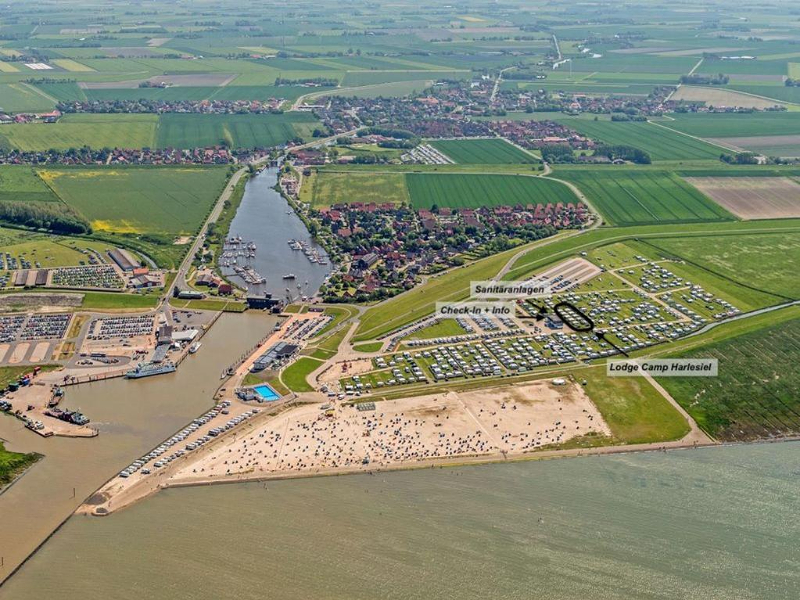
(180, 277)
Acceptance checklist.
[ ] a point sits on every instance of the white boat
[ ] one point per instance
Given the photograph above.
(194, 347)
(289, 276)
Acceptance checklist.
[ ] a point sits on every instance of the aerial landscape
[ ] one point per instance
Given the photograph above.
(304, 299)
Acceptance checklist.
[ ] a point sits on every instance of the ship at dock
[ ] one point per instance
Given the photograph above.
(149, 369)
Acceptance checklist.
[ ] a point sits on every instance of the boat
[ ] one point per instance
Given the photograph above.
(289, 276)
(194, 347)
(148, 369)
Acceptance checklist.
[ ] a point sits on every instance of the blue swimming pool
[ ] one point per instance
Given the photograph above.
(266, 392)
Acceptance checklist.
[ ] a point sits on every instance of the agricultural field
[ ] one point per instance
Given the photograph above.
(752, 197)
(630, 196)
(75, 131)
(236, 131)
(483, 152)
(734, 125)
(167, 201)
(757, 392)
(474, 191)
(765, 261)
(724, 97)
(660, 143)
(18, 97)
(336, 187)
(22, 184)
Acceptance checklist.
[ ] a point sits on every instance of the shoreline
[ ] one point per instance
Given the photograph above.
(450, 462)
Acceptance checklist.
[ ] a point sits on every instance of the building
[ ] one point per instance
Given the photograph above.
(262, 302)
(278, 352)
(123, 259)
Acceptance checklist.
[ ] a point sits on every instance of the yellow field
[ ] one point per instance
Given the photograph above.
(794, 70)
(71, 65)
(7, 67)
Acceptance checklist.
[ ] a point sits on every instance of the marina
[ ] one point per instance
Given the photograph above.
(269, 246)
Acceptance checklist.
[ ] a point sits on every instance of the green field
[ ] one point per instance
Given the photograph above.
(236, 131)
(633, 409)
(474, 191)
(336, 187)
(724, 125)
(757, 392)
(19, 97)
(442, 328)
(49, 250)
(150, 131)
(22, 184)
(78, 130)
(630, 196)
(12, 463)
(136, 200)
(483, 152)
(763, 261)
(658, 142)
(294, 377)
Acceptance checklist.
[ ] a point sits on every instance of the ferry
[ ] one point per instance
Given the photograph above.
(194, 347)
(289, 276)
(148, 369)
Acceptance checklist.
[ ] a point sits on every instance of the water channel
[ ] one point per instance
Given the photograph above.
(265, 218)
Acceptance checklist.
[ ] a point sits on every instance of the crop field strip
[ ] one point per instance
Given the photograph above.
(631, 197)
(483, 152)
(474, 191)
(661, 144)
(168, 201)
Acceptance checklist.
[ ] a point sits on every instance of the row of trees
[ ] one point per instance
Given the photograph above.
(52, 216)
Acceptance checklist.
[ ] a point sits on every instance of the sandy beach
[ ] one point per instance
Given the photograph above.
(317, 439)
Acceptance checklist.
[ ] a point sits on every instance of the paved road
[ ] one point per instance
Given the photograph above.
(180, 277)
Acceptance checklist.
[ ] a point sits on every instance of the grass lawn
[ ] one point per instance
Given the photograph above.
(368, 347)
(442, 328)
(757, 392)
(294, 377)
(137, 200)
(13, 464)
(635, 412)
(49, 250)
(110, 301)
(631, 196)
(212, 304)
(483, 152)
(473, 191)
(333, 187)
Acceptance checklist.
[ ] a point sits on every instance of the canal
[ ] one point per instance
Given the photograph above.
(266, 218)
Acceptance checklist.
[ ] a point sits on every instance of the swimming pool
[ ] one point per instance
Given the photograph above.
(266, 392)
